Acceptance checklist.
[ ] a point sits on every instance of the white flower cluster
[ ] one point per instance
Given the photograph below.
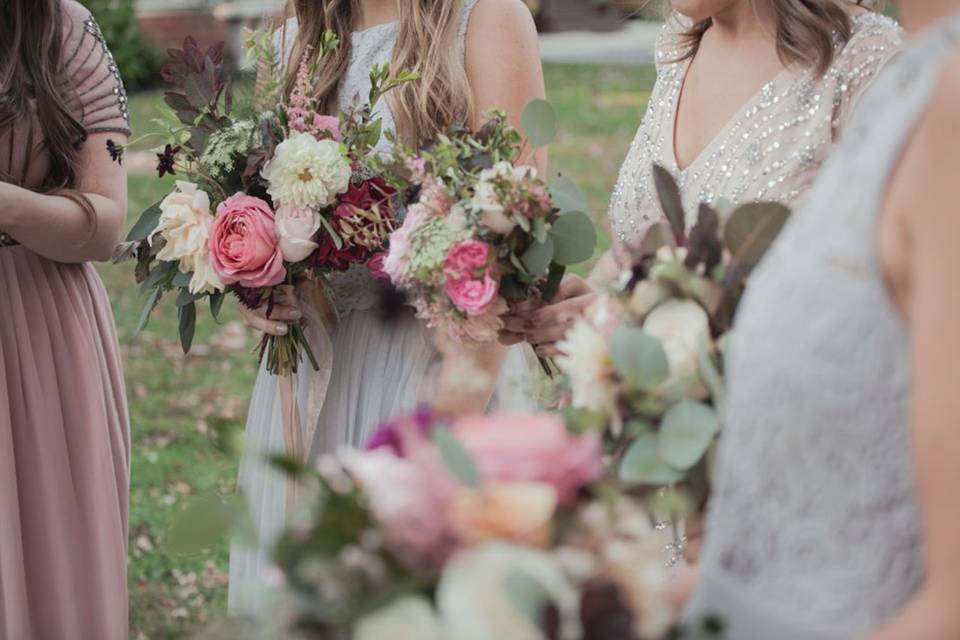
(225, 146)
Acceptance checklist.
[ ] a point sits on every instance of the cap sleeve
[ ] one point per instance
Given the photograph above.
(98, 97)
(875, 40)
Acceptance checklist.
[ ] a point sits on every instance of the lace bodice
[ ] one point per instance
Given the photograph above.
(770, 150)
(355, 289)
(815, 523)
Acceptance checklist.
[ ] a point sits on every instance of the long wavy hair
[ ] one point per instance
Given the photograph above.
(426, 43)
(807, 31)
(32, 84)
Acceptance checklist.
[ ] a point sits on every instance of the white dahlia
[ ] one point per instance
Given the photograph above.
(587, 361)
(306, 172)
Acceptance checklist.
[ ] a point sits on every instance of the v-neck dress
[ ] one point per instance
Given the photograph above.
(64, 432)
(770, 150)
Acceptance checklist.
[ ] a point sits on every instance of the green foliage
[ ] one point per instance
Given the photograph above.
(138, 61)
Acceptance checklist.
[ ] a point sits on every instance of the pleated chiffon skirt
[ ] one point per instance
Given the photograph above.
(64, 454)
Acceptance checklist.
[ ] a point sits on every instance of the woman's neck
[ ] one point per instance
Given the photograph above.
(375, 12)
(919, 15)
(742, 22)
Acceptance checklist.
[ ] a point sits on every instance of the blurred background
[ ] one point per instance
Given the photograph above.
(188, 412)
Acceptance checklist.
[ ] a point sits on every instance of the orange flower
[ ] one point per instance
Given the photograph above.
(520, 512)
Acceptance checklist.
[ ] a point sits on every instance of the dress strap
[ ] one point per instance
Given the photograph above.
(468, 7)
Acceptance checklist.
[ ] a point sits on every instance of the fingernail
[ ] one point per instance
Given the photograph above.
(295, 314)
(282, 329)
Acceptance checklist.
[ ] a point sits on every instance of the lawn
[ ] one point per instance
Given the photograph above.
(188, 412)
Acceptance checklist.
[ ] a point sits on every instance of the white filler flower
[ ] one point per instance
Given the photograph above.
(306, 172)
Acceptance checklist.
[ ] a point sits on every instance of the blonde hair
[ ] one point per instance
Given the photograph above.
(807, 31)
(427, 43)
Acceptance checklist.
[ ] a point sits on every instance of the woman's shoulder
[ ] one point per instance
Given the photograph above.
(873, 38)
(510, 14)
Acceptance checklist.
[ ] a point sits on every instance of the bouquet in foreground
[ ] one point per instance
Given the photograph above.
(645, 364)
(498, 526)
(269, 201)
(482, 234)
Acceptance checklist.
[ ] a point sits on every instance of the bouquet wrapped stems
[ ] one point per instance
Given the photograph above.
(282, 353)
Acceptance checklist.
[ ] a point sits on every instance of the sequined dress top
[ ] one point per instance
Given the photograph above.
(771, 149)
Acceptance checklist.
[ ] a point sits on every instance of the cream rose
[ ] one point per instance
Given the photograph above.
(683, 328)
(474, 601)
(296, 228)
(407, 618)
(184, 224)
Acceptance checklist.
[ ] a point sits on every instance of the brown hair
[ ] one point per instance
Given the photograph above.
(806, 32)
(426, 43)
(31, 83)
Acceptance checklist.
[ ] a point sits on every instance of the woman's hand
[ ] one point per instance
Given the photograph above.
(549, 324)
(286, 311)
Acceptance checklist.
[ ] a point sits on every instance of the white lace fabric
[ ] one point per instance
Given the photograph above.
(814, 530)
(770, 150)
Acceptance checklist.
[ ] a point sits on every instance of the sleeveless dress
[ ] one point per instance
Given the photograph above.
(771, 149)
(380, 370)
(814, 532)
(64, 432)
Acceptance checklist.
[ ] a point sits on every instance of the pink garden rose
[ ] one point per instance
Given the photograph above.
(470, 286)
(531, 448)
(296, 229)
(243, 243)
(473, 297)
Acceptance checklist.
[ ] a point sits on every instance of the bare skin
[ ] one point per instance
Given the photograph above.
(504, 72)
(57, 228)
(915, 241)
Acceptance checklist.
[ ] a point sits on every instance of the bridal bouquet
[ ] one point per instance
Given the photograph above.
(646, 363)
(499, 526)
(481, 234)
(269, 200)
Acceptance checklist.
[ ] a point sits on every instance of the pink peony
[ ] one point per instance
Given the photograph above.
(473, 297)
(531, 448)
(243, 243)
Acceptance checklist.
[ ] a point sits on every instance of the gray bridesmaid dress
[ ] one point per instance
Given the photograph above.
(64, 432)
(815, 532)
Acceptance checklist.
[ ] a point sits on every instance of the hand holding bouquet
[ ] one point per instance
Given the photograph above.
(646, 362)
(481, 234)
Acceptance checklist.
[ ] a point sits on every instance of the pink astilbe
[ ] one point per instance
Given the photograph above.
(301, 115)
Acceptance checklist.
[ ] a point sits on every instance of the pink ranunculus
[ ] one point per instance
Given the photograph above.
(531, 448)
(375, 266)
(243, 243)
(473, 297)
(296, 229)
(467, 260)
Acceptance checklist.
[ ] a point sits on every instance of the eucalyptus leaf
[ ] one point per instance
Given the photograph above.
(670, 201)
(539, 122)
(146, 224)
(686, 432)
(711, 376)
(181, 279)
(456, 458)
(188, 325)
(554, 280)
(162, 273)
(657, 235)
(642, 463)
(537, 258)
(574, 238)
(567, 195)
(540, 229)
(639, 358)
(151, 303)
(748, 235)
(216, 304)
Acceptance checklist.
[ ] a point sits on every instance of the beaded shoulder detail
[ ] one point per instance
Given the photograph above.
(99, 97)
(770, 150)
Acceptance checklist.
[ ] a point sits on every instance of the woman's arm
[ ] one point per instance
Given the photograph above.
(58, 228)
(504, 71)
(925, 194)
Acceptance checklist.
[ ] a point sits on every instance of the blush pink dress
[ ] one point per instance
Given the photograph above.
(64, 431)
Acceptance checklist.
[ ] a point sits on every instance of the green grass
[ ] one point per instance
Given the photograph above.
(187, 411)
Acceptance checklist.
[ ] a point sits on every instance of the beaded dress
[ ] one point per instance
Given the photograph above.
(815, 531)
(770, 150)
(64, 431)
